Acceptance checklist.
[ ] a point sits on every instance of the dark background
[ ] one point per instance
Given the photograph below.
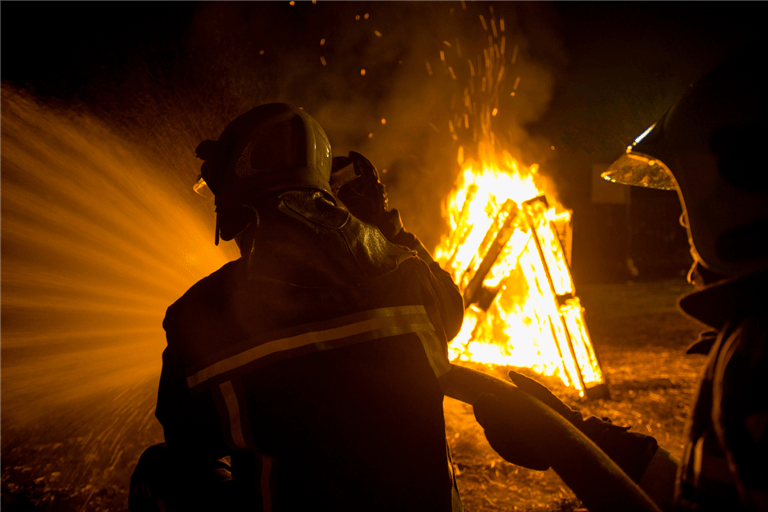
(593, 76)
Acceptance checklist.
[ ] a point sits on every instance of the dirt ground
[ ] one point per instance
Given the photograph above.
(76, 461)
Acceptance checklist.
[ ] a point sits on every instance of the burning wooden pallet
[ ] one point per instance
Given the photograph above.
(510, 258)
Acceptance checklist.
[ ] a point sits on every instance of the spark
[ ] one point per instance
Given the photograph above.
(514, 55)
(322, 42)
(517, 82)
(378, 34)
(322, 60)
(362, 72)
(482, 20)
(383, 121)
(429, 68)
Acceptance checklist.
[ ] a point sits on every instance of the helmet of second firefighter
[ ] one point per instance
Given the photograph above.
(708, 147)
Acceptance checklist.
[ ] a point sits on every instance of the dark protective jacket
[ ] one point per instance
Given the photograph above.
(725, 464)
(318, 351)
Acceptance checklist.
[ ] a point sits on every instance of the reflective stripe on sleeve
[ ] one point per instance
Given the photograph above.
(369, 325)
(233, 408)
(438, 360)
(266, 490)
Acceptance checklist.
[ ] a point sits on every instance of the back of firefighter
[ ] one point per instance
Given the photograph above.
(313, 360)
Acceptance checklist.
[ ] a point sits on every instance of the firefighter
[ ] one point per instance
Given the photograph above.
(312, 361)
(708, 147)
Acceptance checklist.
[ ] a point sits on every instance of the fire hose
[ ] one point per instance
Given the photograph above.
(596, 480)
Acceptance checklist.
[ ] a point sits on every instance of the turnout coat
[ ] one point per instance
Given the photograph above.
(724, 463)
(316, 357)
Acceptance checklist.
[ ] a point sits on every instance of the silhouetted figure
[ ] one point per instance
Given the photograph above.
(312, 360)
(708, 147)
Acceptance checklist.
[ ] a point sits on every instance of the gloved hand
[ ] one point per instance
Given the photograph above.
(501, 435)
(363, 194)
(631, 451)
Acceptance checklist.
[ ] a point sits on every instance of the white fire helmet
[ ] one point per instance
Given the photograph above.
(708, 147)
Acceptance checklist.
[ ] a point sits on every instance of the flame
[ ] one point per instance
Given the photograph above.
(505, 253)
(507, 244)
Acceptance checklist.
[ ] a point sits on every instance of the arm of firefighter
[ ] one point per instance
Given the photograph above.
(356, 183)
(448, 299)
(739, 410)
(640, 456)
(190, 424)
(393, 224)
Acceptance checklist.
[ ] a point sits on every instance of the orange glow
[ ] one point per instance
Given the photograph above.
(505, 253)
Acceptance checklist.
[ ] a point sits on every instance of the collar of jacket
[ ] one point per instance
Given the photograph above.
(715, 304)
(303, 239)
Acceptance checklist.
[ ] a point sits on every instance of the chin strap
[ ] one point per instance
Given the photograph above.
(217, 229)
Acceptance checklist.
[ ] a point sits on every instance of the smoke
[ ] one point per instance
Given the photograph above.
(372, 74)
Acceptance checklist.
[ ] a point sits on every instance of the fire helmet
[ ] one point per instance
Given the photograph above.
(708, 147)
(270, 148)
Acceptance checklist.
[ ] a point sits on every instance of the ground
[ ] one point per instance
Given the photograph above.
(75, 462)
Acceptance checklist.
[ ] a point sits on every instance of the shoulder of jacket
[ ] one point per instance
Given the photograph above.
(207, 292)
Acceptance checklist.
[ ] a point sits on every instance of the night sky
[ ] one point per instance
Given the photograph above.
(593, 76)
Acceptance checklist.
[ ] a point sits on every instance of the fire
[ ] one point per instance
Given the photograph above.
(506, 252)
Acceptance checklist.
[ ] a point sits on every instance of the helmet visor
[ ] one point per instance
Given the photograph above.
(639, 169)
(202, 188)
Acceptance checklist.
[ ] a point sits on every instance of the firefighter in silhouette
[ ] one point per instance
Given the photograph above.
(313, 360)
(708, 147)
